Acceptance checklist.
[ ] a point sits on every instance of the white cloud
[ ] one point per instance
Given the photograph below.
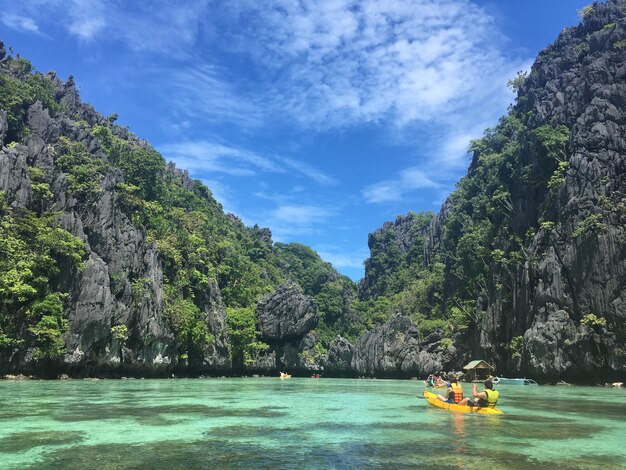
(20, 23)
(85, 19)
(342, 61)
(408, 180)
(319, 63)
(341, 259)
(201, 157)
(205, 92)
(447, 158)
(160, 26)
(86, 28)
(307, 170)
(289, 220)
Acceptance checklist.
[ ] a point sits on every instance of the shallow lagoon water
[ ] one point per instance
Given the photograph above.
(301, 423)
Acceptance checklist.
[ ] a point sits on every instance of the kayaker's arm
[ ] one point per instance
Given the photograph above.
(478, 394)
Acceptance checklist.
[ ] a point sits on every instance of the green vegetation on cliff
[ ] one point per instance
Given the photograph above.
(32, 249)
(203, 251)
(448, 286)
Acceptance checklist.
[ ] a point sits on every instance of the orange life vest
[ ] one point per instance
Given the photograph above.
(458, 391)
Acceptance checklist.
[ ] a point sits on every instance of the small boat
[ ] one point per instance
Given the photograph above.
(433, 400)
(285, 376)
(505, 381)
(435, 385)
(316, 376)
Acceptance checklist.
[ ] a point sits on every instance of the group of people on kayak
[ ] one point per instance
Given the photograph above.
(487, 398)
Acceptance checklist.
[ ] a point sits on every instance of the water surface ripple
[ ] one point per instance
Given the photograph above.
(300, 423)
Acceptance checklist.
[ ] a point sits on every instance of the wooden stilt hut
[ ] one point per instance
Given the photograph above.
(477, 371)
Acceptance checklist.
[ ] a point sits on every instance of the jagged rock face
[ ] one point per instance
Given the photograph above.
(574, 268)
(394, 244)
(285, 319)
(340, 353)
(14, 179)
(101, 293)
(556, 346)
(218, 356)
(114, 247)
(579, 82)
(286, 313)
(4, 126)
(182, 175)
(300, 355)
(394, 350)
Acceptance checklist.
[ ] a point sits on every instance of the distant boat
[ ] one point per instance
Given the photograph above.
(283, 375)
(505, 381)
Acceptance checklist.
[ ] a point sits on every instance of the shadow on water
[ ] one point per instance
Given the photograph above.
(94, 412)
(247, 432)
(574, 406)
(439, 454)
(551, 432)
(20, 441)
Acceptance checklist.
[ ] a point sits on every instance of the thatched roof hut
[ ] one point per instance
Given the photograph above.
(478, 370)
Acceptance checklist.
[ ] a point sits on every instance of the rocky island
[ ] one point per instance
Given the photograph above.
(114, 262)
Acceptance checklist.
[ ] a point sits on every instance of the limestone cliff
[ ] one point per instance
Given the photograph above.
(533, 243)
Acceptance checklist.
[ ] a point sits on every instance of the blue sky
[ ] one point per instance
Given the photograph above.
(318, 119)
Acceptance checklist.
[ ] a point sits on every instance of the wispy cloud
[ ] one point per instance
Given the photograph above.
(289, 220)
(204, 157)
(408, 180)
(207, 157)
(446, 158)
(347, 61)
(205, 92)
(307, 170)
(20, 23)
(340, 258)
(88, 18)
(160, 26)
(318, 63)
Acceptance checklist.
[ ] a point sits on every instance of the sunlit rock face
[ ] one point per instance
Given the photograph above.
(286, 313)
(120, 283)
(576, 268)
(285, 320)
(559, 311)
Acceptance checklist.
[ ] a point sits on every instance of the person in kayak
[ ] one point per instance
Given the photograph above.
(455, 392)
(487, 398)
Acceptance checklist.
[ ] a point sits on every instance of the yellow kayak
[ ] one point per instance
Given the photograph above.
(433, 400)
(285, 376)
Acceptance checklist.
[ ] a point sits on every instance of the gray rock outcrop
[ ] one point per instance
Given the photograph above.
(285, 319)
(286, 313)
(560, 313)
(394, 350)
(340, 354)
(575, 268)
(4, 126)
(120, 285)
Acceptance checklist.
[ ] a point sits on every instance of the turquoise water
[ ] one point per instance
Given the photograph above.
(301, 423)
